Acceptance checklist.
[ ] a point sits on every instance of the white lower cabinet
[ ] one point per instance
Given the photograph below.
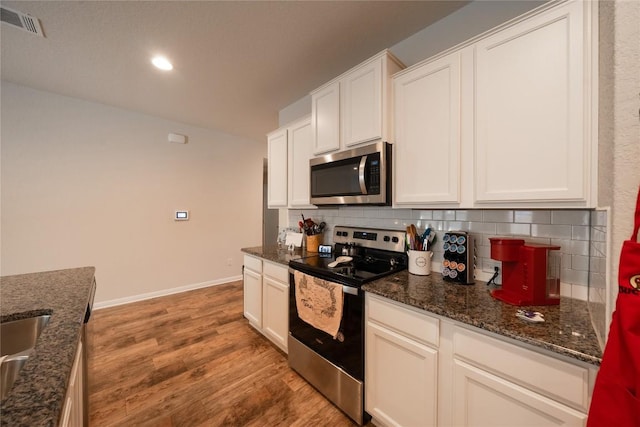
(401, 365)
(401, 387)
(253, 290)
(422, 370)
(484, 399)
(73, 409)
(275, 304)
(266, 299)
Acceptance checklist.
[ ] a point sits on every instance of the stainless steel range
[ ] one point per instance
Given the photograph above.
(333, 360)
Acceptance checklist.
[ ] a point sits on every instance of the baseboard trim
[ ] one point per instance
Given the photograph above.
(164, 292)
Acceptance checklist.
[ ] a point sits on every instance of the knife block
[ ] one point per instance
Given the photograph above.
(314, 241)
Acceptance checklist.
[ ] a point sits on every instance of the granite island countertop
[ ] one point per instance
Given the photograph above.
(37, 396)
(567, 329)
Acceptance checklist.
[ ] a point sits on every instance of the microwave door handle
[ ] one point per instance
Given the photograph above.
(363, 184)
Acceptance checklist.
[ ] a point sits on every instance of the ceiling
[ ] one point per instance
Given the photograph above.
(237, 63)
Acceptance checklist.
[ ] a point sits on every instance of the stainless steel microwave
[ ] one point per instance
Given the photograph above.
(361, 176)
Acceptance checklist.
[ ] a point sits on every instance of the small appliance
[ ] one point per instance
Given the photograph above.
(361, 176)
(459, 257)
(530, 272)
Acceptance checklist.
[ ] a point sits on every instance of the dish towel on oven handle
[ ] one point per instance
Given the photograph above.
(319, 302)
(616, 394)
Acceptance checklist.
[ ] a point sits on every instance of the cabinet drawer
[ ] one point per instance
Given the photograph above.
(253, 263)
(404, 319)
(276, 271)
(562, 381)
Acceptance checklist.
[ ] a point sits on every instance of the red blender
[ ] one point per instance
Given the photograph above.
(530, 272)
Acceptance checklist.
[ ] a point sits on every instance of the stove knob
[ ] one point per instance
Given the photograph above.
(387, 238)
(394, 240)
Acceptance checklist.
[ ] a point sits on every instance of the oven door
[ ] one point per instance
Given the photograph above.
(347, 350)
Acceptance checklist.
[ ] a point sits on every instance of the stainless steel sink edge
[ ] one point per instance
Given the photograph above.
(18, 340)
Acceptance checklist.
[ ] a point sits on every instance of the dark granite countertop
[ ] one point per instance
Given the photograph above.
(276, 254)
(567, 328)
(37, 396)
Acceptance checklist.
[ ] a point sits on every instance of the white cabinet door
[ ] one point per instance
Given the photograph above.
(300, 151)
(325, 118)
(277, 170)
(427, 133)
(530, 110)
(253, 297)
(275, 310)
(73, 409)
(483, 399)
(361, 104)
(401, 384)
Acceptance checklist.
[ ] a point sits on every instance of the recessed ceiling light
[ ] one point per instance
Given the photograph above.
(162, 63)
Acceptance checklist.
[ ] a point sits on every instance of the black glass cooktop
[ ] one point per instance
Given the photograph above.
(360, 270)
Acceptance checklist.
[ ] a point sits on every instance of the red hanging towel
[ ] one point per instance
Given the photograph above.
(616, 395)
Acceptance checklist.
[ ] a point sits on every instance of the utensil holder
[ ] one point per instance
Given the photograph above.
(420, 262)
(314, 241)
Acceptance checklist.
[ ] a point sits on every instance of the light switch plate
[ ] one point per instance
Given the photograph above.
(181, 216)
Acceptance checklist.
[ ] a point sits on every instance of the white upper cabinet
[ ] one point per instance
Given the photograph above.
(325, 118)
(361, 104)
(300, 145)
(531, 133)
(504, 120)
(427, 133)
(289, 150)
(277, 168)
(354, 108)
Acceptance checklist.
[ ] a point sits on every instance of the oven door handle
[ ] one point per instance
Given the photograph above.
(350, 290)
(361, 180)
(345, 289)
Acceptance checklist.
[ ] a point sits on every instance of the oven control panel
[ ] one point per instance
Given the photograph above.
(389, 240)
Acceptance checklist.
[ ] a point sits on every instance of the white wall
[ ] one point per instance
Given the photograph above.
(624, 123)
(87, 184)
(467, 22)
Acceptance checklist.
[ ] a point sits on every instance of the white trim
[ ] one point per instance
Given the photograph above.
(164, 292)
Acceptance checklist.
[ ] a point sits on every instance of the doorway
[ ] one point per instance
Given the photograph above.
(269, 216)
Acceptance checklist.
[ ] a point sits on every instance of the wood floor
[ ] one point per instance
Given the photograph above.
(191, 359)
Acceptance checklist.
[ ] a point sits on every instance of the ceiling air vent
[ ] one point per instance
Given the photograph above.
(21, 20)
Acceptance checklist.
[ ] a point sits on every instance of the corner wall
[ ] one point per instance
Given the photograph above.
(619, 122)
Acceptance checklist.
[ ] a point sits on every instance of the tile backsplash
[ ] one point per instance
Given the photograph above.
(579, 233)
(598, 272)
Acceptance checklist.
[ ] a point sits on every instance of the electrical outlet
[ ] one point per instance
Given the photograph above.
(229, 261)
(489, 266)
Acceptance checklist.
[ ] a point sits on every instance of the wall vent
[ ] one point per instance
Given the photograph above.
(21, 20)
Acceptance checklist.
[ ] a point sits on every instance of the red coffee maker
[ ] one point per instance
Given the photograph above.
(530, 272)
